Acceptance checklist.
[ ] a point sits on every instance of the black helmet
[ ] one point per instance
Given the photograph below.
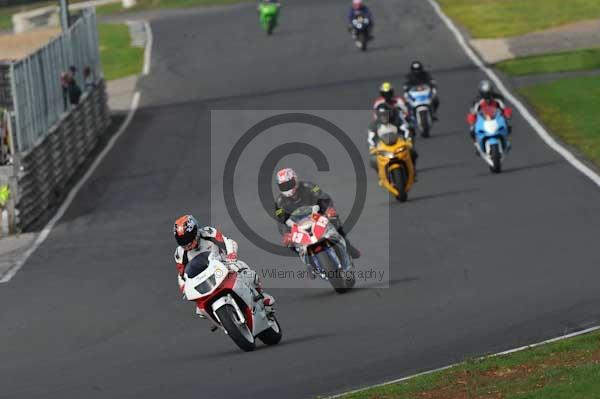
(384, 113)
(485, 89)
(416, 66)
(185, 230)
(386, 90)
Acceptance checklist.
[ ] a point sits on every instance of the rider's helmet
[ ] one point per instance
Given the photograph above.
(386, 90)
(485, 89)
(185, 230)
(383, 113)
(287, 181)
(357, 4)
(416, 67)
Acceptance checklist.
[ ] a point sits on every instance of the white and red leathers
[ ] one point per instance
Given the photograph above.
(397, 102)
(496, 101)
(209, 239)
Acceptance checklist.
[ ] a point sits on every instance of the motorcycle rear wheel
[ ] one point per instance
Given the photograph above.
(228, 317)
(273, 335)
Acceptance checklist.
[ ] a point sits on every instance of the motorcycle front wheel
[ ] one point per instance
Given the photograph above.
(399, 179)
(338, 279)
(237, 331)
(496, 157)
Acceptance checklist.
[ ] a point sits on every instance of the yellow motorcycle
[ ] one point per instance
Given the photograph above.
(395, 165)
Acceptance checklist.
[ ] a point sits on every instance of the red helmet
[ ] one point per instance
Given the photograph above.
(356, 4)
(287, 181)
(185, 230)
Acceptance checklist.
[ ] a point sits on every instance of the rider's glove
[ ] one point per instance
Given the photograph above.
(331, 212)
(508, 112)
(231, 258)
(287, 239)
(471, 119)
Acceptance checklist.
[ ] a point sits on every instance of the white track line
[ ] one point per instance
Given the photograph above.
(135, 101)
(521, 348)
(148, 50)
(539, 129)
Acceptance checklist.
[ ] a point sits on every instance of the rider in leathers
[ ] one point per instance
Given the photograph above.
(194, 245)
(387, 115)
(295, 194)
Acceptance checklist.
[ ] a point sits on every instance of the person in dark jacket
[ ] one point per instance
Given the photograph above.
(419, 76)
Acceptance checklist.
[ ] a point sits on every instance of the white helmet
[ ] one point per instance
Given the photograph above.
(287, 181)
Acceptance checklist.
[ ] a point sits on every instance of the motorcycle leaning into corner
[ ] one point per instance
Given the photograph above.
(321, 247)
(268, 16)
(395, 163)
(224, 296)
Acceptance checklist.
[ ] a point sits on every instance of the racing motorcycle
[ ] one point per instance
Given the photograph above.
(268, 16)
(420, 100)
(321, 247)
(360, 31)
(225, 297)
(395, 165)
(491, 136)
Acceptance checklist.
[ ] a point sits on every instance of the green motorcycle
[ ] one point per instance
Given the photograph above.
(268, 16)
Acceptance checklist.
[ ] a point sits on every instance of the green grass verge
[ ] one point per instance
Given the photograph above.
(503, 18)
(118, 57)
(559, 62)
(568, 369)
(569, 108)
(6, 13)
(155, 4)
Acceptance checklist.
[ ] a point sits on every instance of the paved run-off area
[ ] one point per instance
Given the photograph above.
(479, 262)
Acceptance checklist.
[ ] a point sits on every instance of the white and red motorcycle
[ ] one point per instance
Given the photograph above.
(224, 295)
(321, 247)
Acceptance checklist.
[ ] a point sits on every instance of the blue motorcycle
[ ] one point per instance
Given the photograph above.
(492, 137)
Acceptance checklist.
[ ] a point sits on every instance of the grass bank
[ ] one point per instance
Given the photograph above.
(503, 18)
(118, 57)
(143, 5)
(548, 63)
(567, 369)
(569, 108)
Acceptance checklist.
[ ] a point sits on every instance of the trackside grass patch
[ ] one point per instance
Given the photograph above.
(156, 4)
(570, 109)
(118, 57)
(504, 18)
(568, 369)
(549, 63)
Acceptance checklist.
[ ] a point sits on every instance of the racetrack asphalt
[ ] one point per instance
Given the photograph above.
(478, 262)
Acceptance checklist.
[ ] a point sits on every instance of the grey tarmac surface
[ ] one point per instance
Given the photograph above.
(479, 262)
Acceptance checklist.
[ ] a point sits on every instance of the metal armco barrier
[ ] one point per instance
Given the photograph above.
(47, 168)
(35, 80)
(49, 140)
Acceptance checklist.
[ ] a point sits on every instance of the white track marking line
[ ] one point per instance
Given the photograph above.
(135, 101)
(539, 129)
(521, 348)
(148, 50)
